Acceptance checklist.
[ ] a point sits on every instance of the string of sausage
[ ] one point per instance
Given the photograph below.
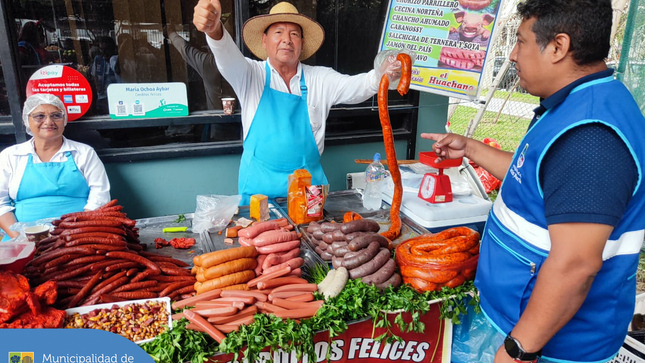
(388, 138)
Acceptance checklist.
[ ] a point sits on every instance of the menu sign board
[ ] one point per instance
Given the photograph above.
(66, 83)
(450, 39)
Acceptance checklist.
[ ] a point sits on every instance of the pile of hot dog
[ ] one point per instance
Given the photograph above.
(278, 245)
(227, 303)
(96, 257)
(358, 247)
(431, 261)
(267, 247)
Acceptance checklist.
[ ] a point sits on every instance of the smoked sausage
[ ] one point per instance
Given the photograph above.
(362, 256)
(361, 225)
(370, 266)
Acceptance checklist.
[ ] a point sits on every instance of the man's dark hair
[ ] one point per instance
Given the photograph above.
(587, 22)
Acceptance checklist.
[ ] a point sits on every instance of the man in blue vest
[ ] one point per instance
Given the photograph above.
(560, 249)
(284, 103)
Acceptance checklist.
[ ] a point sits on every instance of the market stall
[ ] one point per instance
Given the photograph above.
(390, 324)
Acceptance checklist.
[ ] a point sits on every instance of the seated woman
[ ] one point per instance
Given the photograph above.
(48, 175)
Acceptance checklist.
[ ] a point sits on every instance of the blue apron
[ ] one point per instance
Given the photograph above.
(50, 190)
(279, 141)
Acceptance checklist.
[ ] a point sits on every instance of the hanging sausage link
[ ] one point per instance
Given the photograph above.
(388, 138)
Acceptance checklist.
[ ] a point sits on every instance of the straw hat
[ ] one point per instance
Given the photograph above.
(283, 12)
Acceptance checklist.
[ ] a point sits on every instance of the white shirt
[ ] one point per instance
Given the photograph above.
(325, 86)
(13, 161)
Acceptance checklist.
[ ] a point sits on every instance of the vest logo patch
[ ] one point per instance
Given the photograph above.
(522, 157)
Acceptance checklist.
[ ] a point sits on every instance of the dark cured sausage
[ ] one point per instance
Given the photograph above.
(72, 237)
(313, 226)
(363, 241)
(153, 267)
(341, 251)
(336, 262)
(370, 266)
(329, 227)
(361, 225)
(114, 230)
(362, 256)
(394, 281)
(351, 236)
(328, 238)
(336, 245)
(92, 223)
(382, 274)
(318, 234)
(388, 138)
(338, 235)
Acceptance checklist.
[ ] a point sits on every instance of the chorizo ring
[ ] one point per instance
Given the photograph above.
(435, 276)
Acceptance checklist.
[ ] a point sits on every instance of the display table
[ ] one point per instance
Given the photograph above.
(356, 343)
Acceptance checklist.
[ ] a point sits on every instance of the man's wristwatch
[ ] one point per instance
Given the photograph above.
(514, 350)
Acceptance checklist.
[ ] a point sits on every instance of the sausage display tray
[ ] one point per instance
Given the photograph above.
(336, 205)
(340, 202)
(86, 309)
(214, 241)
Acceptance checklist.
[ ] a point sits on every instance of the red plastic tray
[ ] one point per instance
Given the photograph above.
(429, 157)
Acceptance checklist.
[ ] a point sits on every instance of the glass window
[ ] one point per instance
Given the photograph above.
(155, 41)
(4, 101)
(127, 42)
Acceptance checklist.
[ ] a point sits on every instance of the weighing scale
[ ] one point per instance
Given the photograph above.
(466, 208)
(435, 187)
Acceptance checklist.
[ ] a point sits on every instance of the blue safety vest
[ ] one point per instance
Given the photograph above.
(515, 242)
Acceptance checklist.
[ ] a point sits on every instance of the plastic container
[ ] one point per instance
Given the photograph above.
(14, 256)
(82, 310)
(374, 177)
(633, 349)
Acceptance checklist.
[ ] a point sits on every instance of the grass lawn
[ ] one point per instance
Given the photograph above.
(507, 130)
(516, 96)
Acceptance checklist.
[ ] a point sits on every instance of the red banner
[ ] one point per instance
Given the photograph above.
(356, 344)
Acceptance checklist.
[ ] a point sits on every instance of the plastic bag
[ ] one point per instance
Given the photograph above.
(214, 212)
(475, 339)
(305, 202)
(385, 62)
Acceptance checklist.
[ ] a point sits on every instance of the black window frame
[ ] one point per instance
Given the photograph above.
(404, 112)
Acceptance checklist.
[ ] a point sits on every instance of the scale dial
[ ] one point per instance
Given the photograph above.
(427, 186)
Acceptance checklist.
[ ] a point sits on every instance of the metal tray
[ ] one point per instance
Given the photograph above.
(215, 241)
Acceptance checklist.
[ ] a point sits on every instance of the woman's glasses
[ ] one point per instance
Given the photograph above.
(41, 117)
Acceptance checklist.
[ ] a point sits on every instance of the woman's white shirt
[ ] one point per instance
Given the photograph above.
(13, 161)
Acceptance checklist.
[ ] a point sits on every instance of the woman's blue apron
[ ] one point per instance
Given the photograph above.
(50, 190)
(279, 141)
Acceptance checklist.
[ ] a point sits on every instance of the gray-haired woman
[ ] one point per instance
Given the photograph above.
(48, 175)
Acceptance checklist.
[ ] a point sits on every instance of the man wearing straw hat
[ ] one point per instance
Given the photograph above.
(280, 96)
